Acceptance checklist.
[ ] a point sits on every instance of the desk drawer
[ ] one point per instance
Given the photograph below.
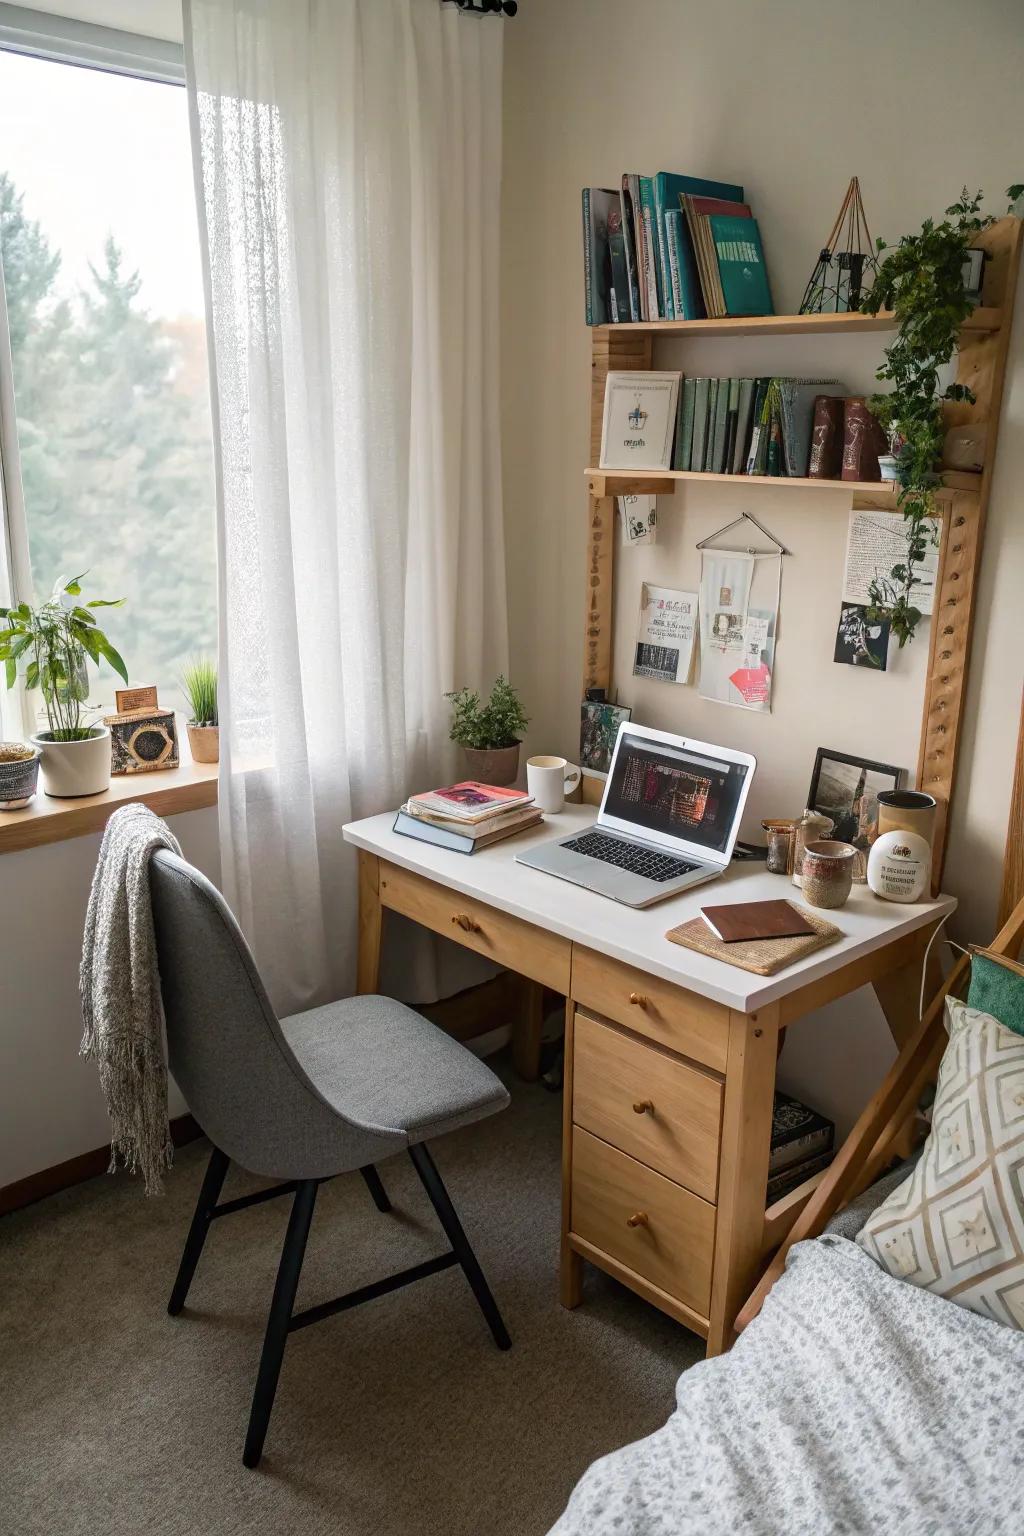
(672, 1243)
(673, 1017)
(543, 957)
(615, 1076)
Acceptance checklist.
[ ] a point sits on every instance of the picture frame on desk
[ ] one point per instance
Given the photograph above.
(846, 788)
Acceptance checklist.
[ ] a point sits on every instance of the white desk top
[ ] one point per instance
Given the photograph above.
(638, 937)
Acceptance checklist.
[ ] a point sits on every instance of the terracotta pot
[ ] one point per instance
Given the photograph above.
(19, 771)
(493, 765)
(73, 768)
(204, 743)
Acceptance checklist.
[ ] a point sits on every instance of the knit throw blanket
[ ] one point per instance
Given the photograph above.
(120, 988)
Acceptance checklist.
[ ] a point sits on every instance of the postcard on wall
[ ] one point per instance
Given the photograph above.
(599, 726)
(639, 420)
(664, 641)
(860, 641)
(737, 641)
(639, 519)
(877, 541)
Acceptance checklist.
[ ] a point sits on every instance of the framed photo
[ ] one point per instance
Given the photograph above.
(846, 789)
(599, 726)
(639, 420)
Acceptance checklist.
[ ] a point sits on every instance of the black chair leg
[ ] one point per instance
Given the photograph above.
(209, 1194)
(276, 1336)
(375, 1185)
(440, 1200)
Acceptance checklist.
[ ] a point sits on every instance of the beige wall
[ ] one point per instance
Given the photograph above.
(790, 100)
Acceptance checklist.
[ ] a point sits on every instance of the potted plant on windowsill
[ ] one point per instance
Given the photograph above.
(489, 733)
(53, 643)
(199, 681)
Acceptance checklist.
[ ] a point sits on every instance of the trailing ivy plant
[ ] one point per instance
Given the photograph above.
(52, 642)
(921, 281)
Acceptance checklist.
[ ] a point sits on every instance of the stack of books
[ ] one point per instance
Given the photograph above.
(748, 426)
(802, 1145)
(670, 247)
(467, 816)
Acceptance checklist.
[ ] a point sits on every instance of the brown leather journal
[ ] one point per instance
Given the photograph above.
(748, 920)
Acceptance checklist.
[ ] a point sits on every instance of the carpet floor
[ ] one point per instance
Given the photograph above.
(399, 1417)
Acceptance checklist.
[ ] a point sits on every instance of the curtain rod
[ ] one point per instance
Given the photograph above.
(485, 7)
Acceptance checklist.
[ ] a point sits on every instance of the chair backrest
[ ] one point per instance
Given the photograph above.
(226, 1048)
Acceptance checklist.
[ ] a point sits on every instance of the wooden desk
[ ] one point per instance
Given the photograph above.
(669, 1055)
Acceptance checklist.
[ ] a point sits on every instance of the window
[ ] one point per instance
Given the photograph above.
(101, 266)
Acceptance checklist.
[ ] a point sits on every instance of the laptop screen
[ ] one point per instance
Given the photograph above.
(676, 791)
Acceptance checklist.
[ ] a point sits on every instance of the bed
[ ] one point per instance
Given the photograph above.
(853, 1402)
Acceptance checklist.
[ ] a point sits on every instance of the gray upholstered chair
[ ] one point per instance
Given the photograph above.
(302, 1099)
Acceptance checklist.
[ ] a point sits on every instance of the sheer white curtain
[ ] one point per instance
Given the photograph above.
(348, 161)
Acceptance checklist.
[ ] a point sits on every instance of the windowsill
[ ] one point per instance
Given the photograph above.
(167, 791)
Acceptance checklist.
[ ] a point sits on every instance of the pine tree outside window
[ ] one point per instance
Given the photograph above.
(102, 275)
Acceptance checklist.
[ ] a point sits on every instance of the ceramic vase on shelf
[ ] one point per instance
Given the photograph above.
(74, 768)
(493, 765)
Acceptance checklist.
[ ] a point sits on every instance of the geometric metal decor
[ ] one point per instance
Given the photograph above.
(846, 260)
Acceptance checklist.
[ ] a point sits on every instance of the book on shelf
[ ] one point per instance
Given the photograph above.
(737, 262)
(702, 390)
(782, 1184)
(468, 801)
(798, 402)
(633, 224)
(629, 246)
(717, 464)
(618, 293)
(798, 1133)
(743, 417)
(655, 298)
(598, 204)
(684, 437)
(639, 422)
(467, 838)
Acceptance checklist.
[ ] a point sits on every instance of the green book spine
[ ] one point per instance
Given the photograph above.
(708, 465)
(731, 421)
(757, 415)
(684, 440)
(661, 244)
(741, 268)
(700, 422)
(721, 427)
(655, 299)
(746, 405)
(618, 295)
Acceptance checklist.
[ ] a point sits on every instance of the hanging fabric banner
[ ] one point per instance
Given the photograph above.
(737, 634)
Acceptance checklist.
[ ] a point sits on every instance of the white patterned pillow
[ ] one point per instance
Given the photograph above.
(956, 1224)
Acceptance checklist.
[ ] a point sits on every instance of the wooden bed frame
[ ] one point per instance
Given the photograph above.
(890, 1118)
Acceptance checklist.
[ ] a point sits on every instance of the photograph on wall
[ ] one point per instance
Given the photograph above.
(639, 519)
(737, 640)
(665, 632)
(599, 726)
(860, 641)
(846, 789)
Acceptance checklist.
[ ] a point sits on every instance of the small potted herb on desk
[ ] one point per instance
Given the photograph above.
(53, 643)
(199, 680)
(489, 733)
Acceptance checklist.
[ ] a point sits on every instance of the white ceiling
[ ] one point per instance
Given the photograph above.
(151, 18)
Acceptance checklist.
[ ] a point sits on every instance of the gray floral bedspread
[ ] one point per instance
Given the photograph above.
(854, 1404)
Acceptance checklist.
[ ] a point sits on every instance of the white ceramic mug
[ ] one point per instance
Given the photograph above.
(548, 778)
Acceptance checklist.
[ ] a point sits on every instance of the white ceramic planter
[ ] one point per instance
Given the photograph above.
(73, 768)
(888, 466)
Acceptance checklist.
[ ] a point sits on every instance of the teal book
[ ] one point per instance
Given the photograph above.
(741, 267)
(673, 239)
(717, 465)
(743, 415)
(684, 441)
(708, 465)
(700, 422)
(652, 264)
(666, 191)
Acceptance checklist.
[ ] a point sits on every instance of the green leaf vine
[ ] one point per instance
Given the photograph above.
(921, 281)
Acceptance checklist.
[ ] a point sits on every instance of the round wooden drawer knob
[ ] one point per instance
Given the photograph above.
(638, 1219)
(644, 1107)
(638, 999)
(465, 922)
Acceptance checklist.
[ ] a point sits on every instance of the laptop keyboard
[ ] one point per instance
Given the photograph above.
(639, 861)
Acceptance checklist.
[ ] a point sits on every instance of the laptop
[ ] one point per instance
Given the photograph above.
(669, 819)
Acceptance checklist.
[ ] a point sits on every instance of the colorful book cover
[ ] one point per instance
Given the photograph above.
(470, 800)
(741, 269)
(668, 188)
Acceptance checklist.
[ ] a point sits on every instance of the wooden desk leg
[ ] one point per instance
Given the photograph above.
(368, 955)
(899, 993)
(526, 1030)
(743, 1167)
(570, 1292)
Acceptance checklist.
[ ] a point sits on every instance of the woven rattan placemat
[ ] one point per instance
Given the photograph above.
(762, 956)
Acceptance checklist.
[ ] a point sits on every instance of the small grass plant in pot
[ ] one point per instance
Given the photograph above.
(199, 682)
(53, 644)
(489, 732)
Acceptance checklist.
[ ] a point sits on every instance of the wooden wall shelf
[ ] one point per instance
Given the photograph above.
(984, 318)
(981, 365)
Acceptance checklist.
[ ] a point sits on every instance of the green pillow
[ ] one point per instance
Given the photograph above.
(998, 991)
